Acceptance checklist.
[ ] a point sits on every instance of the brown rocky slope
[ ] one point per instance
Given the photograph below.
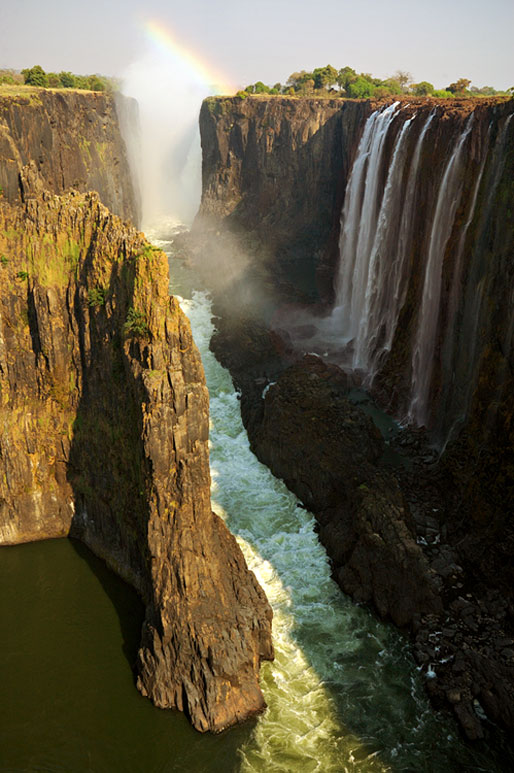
(104, 416)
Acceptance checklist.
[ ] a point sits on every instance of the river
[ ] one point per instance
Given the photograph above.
(343, 693)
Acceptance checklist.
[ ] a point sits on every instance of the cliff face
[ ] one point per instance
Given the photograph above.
(427, 235)
(407, 253)
(275, 169)
(104, 416)
(75, 142)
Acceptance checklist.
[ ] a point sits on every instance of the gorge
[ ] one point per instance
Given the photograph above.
(409, 528)
(378, 237)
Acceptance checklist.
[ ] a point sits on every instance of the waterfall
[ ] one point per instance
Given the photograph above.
(461, 347)
(359, 223)
(375, 238)
(448, 199)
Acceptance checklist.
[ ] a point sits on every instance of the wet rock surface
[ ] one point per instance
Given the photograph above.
(260, 185)
(104, 416)
(385, 521)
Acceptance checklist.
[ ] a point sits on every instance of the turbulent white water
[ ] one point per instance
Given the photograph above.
(343, 693)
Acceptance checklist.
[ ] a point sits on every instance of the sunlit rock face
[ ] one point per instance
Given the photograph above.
(74, 140)
(104, 415)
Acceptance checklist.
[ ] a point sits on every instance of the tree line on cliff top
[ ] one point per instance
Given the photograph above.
(36, 76)
(346, 82)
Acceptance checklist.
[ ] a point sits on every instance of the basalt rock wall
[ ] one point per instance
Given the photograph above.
(437, 242)
(104, 417)
(74, 140)
(277, 171)
(274, 169)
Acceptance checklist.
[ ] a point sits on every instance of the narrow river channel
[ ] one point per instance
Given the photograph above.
(343, 693)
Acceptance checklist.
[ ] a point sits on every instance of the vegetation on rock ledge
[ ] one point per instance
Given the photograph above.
(346, 82)
(36, 76)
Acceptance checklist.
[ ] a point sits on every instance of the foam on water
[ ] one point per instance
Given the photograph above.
(343, 693)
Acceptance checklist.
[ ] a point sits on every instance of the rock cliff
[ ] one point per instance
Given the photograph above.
(275, 170)
(74, 140)
(276, 178)
(104, 416)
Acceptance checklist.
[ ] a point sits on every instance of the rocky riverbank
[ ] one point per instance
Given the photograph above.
(384, 508)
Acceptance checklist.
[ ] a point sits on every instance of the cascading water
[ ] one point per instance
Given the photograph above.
(461, 342)
(448, 200)
(359, 225)
(380, 254)
(375, 232)
(338, 671)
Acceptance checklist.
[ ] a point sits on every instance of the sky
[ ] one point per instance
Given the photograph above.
(437, 40)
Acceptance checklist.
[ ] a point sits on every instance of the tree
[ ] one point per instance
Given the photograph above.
(68, 80)
(403, 77)
(97, 83)
(35, 76)
(422, 89)
(390, 86)
(459, 87)
(361, 88)
(298, 79)
(54, 82)
(325, 77)
(346, 76)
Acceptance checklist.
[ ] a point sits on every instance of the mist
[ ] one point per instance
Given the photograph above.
(168, 166)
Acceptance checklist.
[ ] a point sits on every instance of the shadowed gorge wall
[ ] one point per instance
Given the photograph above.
(398, 216)
(276, 170)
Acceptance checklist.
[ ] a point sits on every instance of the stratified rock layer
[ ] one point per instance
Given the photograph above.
(74, 140)
(104, 416)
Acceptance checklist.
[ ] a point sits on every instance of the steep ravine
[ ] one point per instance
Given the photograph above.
(426, 539)
(104, 415)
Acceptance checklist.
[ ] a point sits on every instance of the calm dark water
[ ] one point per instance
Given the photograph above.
(70, 630)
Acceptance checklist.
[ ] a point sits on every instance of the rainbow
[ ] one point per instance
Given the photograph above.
(161, 36)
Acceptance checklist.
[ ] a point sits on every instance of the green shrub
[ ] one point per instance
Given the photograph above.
(35, 76)
(23, 275)
(4, 260)
(97, 296)
(136, 324)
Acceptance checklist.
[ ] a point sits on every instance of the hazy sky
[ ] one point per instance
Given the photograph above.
(437, 40)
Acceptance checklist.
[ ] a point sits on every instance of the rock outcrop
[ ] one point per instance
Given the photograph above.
(104, 416)
(275, 169)
(275, 174)
(74, 139)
